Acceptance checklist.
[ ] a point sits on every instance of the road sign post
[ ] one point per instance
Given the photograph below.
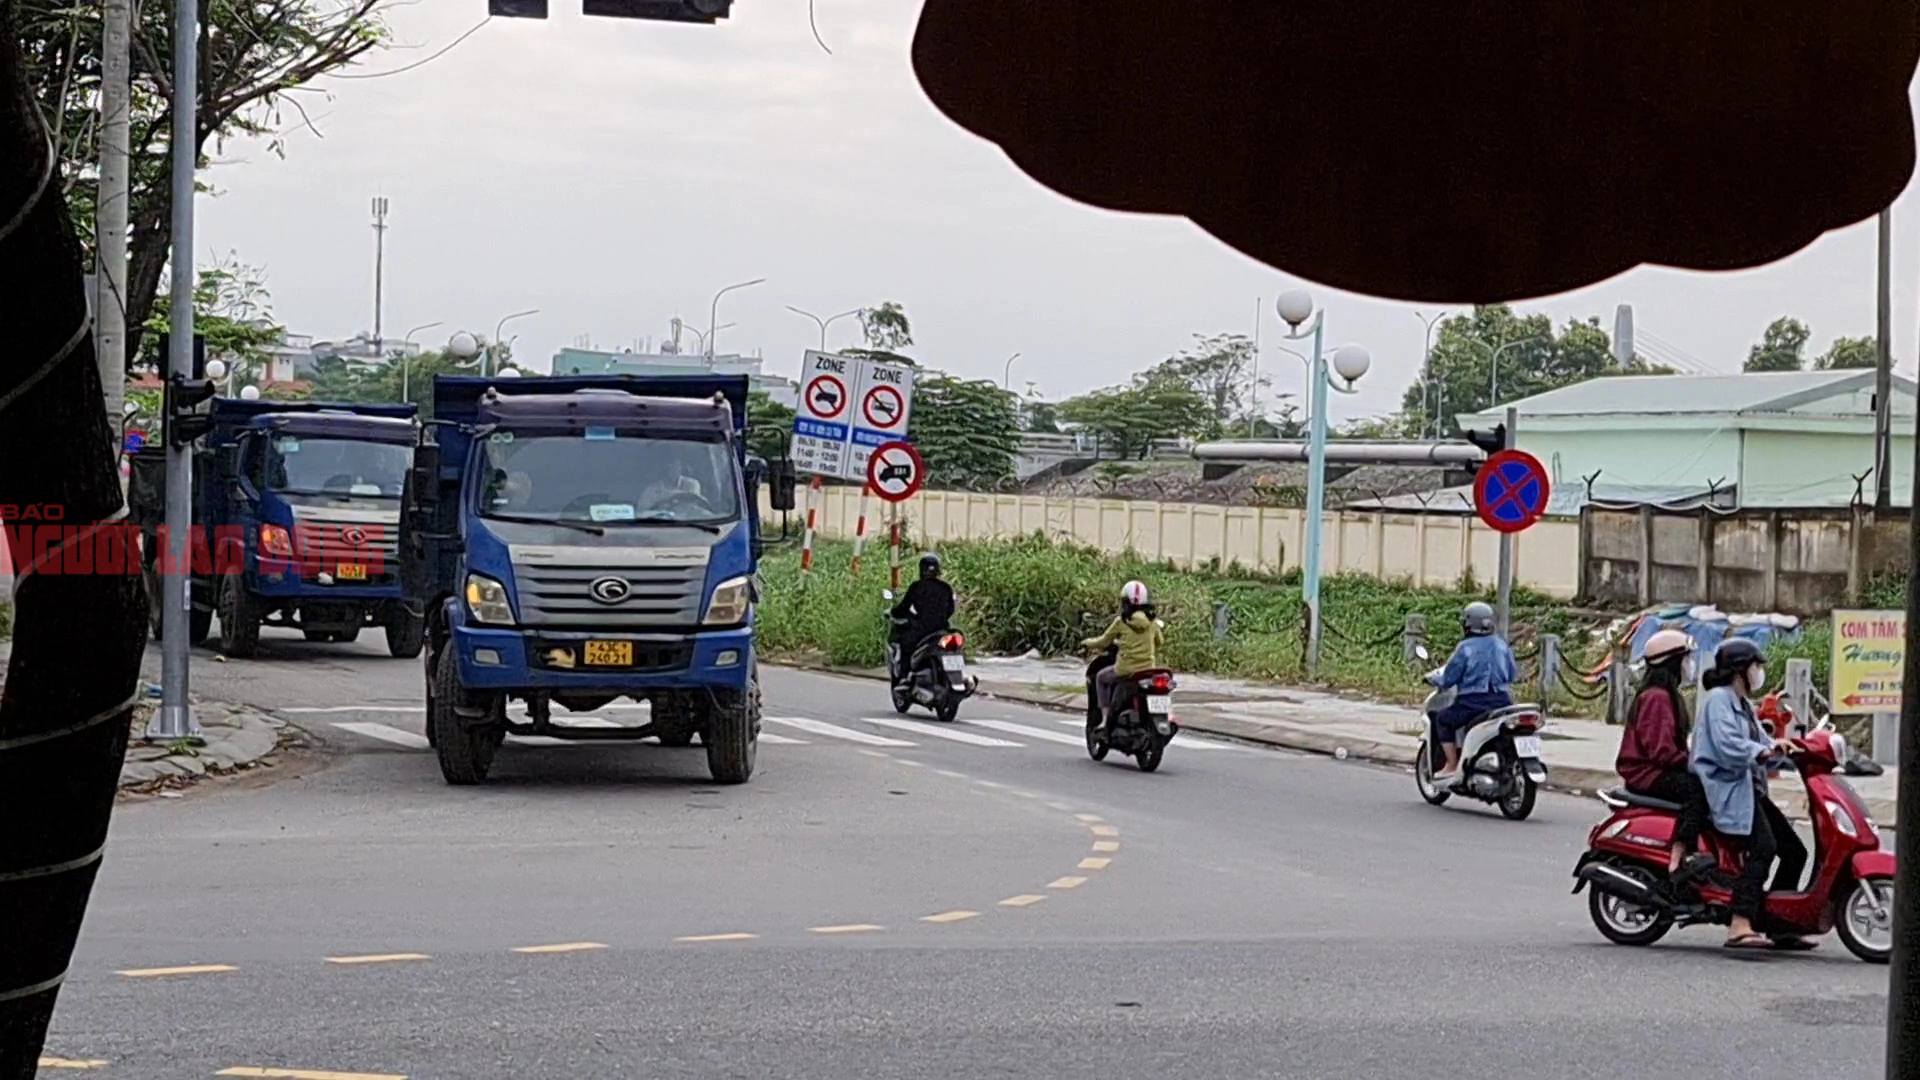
(860, 528)
(849, 406)
(816, 494)
(1510, 494)
(895, 471)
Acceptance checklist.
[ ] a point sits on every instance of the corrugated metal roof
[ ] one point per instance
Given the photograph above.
(1680, 394)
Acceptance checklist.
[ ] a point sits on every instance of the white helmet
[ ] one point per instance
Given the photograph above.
(1134, 594)
(1665, 644)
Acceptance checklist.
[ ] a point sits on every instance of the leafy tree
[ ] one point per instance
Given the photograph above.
(233, 311)
(886, 327)
(1375, 427)
(1220, 369)
(1532, 359)
(1849, 353)
(968, 430)
(1039, 416)
(255, 55)
(1156, 405)
(769, 425)
(1781, 348)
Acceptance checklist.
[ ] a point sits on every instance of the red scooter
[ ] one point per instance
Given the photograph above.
(1632, 902)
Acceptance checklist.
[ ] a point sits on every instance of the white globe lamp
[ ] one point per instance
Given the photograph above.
(216, 370)
(250, 393)
(1295, 307)
(1350, 362)
(510, 373)
(463, 346)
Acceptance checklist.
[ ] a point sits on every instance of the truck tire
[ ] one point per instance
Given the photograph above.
(239, 620)
(464, 748)
(406, 635)
(732, 734)
(200, 615)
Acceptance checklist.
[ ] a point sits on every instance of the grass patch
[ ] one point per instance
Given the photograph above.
(6, 621)
(1034, 593)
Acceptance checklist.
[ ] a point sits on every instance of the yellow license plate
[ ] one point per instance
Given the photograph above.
(350, 572)
(610, 653)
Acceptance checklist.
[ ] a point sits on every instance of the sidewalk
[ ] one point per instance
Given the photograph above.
(1579, 754)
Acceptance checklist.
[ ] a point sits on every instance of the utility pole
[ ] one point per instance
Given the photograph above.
(379, 266)
(1883, 374)
(175, 718)
(110, 211)
(1504, 582)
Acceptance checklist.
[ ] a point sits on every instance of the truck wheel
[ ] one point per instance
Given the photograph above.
(200, 616)
(733, 732)
(239, 620)
(465, 749)
(406, 635)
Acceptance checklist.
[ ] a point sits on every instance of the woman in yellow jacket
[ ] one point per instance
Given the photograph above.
(1137, 633)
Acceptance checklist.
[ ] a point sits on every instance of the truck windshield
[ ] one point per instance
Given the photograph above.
(300, 465)
(609, 481)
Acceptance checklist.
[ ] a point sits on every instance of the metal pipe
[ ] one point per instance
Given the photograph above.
(175, 718)
(1343, 453)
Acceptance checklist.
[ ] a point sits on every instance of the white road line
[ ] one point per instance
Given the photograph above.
(386, 734)
(311, 709)
(940, 732)
(1191, 742)
(771, 739)
(1029, 732)
(835, 731)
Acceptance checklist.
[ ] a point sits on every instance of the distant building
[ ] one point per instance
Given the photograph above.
(575, 361)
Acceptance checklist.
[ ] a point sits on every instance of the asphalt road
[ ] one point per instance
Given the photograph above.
(887, 898)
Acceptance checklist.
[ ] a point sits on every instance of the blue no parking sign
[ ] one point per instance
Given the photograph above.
(1510, 492)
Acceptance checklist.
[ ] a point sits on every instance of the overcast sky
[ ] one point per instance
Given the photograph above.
(615, 174)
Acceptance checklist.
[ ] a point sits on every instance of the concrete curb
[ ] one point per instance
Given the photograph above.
(237, 738)
(1565, 779)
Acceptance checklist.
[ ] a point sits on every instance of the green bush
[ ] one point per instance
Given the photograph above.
(6, 621)
(1034, 593)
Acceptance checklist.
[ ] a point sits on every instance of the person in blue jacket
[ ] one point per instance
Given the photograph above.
(1731, 756)
(1480, 672)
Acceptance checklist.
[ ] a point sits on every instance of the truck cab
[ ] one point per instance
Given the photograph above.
(574, 541)
(298, 507)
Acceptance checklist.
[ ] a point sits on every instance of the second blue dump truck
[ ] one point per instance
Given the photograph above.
(578, 540)
(296, 521)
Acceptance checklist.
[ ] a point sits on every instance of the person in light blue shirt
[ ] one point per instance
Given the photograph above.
(1731, 755)
(1480, 672)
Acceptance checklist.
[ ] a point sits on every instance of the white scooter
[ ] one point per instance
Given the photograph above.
(1499, 756)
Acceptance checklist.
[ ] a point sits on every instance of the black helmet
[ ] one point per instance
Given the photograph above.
(1736, 655)
(929, 565)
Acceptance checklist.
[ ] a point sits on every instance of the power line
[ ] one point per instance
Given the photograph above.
(417, 63)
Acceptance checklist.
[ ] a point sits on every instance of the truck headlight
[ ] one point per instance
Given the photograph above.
(731, 600)
(487, 601)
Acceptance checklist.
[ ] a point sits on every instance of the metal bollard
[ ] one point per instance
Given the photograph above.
(1221, 616)
(1413, 634)
(1549, 665)
(1797, 691)
(1619, 688)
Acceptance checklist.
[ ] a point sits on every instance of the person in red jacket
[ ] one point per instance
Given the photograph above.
(1653, 750)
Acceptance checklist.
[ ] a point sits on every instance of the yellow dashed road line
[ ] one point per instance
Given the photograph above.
(1106, 845)
(378, 958)
(71, 1063)
(305, 1074)
(1067, 883)
(1023, 900)
(1095, 863)
(855, 928)
(950, 916)
(1090, 819)
(576, 946)
(191, 969)
(1105, 830)
(717, 937)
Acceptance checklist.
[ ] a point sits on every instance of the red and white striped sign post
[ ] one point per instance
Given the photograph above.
(893, 512)
(815, 496)
(860, 529)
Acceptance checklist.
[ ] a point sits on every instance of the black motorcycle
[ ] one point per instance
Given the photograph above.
(931, 673)
(1140, 722)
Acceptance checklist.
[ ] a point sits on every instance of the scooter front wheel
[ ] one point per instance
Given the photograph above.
(1863, 917)
(1096, 744)
(1423, 776)
(902, 700)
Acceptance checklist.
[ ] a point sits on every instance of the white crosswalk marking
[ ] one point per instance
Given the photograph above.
(940, 732)
(771, 739)
(1190, 742)
(835, 731)
(1030, 732)
(386, 734)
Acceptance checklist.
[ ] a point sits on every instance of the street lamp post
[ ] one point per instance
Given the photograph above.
(1426, 372)
(486, 360)
(702, 338)
(1006, 373)
(713, 314)
(1493, 385)
(1350, 362)
(406, 356)
(824, 323)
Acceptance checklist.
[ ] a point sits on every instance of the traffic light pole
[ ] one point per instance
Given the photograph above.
(175, 719)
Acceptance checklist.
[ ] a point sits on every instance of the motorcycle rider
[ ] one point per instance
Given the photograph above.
(1480, 671)
(1731, 755)
(1137, 633)
(1653, 749)
(927, 608)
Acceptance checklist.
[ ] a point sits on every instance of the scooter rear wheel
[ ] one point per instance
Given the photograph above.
(1623, 922)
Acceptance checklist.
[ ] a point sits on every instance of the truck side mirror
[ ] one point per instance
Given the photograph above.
(780, 496)
(229, 459)
(423, 480)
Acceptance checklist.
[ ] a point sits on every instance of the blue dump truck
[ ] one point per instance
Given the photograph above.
(577, 540)
(296, 515)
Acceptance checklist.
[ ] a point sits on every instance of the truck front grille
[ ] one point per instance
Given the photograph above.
(563, 598)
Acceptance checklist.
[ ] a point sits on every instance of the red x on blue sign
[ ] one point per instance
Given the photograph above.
(1510, 493)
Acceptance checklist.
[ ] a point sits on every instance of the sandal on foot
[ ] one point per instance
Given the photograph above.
(1748, 941)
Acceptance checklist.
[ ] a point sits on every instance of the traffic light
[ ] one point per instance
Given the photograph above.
(693, 11)
(182, 395)
(1490, 441)
(165, 354)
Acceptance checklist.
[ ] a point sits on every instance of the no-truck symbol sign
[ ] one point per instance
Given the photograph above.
(826, 397)
(883, 407)
(895, 471)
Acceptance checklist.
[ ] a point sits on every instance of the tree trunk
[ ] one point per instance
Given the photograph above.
(77, 639)
(146, 265)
